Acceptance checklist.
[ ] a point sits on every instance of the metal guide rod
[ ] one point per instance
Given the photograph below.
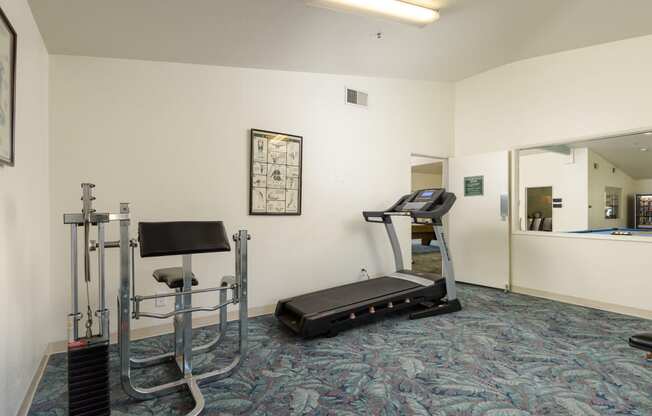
(101, 281)
(186, 262)
(241, 274)
(87, 210)
(74, 285)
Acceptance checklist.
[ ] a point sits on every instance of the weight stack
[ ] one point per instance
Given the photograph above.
(88, 379)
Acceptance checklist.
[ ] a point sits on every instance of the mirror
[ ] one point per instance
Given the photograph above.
(599, 186)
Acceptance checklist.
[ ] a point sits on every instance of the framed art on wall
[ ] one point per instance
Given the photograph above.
(7, 90)
(275, 173)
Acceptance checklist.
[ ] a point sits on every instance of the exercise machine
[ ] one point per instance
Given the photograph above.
(88, 353)
(332, 310)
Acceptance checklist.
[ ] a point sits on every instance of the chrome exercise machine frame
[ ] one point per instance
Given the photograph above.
(127, 300)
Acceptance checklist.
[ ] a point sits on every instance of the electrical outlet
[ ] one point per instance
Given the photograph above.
(160, 302)
(364, 275)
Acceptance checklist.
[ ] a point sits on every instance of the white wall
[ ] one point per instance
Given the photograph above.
(569, 180)
(599, 180)
(604, 271)
(644, 186)
(586, 92)
(173, 140)
(589, 92)
(24, 220)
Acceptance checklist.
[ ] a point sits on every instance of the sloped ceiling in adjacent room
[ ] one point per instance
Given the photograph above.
(631, 154)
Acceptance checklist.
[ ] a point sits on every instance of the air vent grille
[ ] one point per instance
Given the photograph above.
(357, 97)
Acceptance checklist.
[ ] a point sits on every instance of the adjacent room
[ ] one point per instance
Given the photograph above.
(427, 172)
(325, 207)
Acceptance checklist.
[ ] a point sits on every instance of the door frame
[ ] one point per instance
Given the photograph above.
(512, 203)
(444, 183)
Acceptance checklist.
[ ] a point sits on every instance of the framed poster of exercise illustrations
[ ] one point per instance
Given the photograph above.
(275, 173)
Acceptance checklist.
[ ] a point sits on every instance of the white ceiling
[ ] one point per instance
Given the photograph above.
(625, 153)
(472, 35)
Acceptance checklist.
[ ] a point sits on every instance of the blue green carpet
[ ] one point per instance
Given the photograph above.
(502, 355)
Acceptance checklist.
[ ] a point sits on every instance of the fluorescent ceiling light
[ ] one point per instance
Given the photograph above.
(649, 133)
(643, 149)
(407, 11)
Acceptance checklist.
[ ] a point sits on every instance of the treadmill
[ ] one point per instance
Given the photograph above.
(329, 311)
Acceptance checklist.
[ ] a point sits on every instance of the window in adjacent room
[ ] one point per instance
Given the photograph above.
(612, 203)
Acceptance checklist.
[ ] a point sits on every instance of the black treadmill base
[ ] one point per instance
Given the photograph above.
(331, 311)
(441, 309)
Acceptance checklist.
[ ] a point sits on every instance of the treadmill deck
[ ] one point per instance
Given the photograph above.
(350, 294)
(332, 310)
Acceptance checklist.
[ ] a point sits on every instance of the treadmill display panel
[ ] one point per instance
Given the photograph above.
(427, 195)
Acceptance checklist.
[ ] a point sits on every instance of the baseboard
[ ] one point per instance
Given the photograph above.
(573, 300)
(136, 334)
(29, 396)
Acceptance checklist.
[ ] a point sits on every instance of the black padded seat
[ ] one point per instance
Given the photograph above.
(642, 342)
(181, 237)
(173, 277)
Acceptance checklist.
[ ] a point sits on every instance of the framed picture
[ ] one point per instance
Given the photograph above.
(7, 90)
(275, 173)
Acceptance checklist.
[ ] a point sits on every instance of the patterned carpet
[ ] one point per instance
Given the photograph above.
(502, 355)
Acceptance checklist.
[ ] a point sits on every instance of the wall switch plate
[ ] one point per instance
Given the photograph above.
(159, 302)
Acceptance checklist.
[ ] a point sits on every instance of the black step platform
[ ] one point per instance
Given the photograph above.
(332, 310)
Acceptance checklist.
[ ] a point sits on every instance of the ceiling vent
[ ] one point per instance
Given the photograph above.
(356, 97)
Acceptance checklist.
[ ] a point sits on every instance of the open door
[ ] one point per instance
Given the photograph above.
(479, 221)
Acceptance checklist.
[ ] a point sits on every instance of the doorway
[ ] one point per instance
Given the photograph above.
(539, 208)
(426, 172)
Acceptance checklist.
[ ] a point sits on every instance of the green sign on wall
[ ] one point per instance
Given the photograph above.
(474, 186)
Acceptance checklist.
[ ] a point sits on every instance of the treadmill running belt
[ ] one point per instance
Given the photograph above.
(343, 296)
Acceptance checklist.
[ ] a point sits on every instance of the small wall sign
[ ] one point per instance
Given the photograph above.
(474, 186)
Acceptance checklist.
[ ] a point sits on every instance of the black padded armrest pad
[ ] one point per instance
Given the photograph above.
(181, 237)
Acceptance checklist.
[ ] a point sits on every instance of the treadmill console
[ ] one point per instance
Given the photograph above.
(422, 200)
(425, 206)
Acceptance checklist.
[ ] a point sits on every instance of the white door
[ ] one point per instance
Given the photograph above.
(479, 221)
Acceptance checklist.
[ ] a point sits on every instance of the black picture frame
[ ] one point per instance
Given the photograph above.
(10, 113)
(259, 144)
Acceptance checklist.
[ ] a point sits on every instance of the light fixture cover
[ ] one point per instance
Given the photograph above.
(415, 12)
